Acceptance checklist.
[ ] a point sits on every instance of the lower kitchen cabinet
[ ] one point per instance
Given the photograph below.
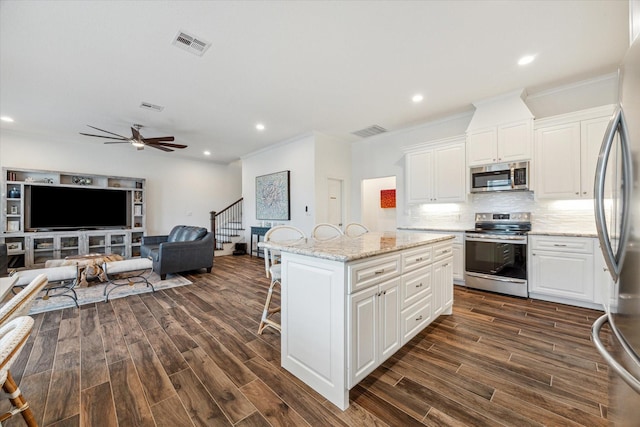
(375, 327)
(563, 269)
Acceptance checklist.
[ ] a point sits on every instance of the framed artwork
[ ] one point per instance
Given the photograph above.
(272, 196)
(387, 199)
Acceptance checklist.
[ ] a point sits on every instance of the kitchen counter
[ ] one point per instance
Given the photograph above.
(563, 233)
(459, 229)
(349, 303)
(345, 248)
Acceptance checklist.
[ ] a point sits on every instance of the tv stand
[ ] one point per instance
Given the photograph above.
(31, 247)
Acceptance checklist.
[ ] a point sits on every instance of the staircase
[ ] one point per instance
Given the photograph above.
(227, 228)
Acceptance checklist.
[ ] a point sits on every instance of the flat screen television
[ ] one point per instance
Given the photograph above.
(72, 208)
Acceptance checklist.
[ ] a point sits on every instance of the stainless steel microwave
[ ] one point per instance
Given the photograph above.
(500, 177)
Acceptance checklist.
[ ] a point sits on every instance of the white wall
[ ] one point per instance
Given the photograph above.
(179, 191)
(332, 160)
(297, 156)
(374, 217)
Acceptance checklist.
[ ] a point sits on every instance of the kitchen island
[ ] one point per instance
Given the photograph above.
(349, 303)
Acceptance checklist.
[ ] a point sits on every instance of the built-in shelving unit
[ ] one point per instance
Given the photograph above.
(28, 248)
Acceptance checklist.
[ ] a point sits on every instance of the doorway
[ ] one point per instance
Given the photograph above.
(334, 204)
(375, 217)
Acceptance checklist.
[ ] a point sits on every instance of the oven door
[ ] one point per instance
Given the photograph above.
(502, 256)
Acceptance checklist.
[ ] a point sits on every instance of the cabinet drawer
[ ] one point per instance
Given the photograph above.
(415, 286)
(416, 258)
(371, 272)
(562, 244)
(415, 318)
(442, 250)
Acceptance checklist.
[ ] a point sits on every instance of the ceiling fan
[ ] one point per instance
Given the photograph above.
(137, 140)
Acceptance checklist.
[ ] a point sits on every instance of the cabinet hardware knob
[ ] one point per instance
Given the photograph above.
(559, 245)
(577, 192)
(378, 272)
(418, 259)
(584, 192)
(419, 286)
(419, 318)
(445, 265)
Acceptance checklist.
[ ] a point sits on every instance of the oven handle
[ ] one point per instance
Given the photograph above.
(516, 240)
(496, 278)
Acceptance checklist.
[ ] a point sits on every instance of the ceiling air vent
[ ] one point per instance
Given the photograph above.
(191, 43)
(152, 107)
(370, 131)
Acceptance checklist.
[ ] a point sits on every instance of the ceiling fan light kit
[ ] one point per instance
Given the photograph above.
(137, 140)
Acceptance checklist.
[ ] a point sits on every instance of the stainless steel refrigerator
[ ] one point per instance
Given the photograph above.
(617, 211)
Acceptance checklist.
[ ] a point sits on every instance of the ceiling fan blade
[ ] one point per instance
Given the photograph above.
(118, 142)
(106, 131)
(136, 133)
(166, 144)
(159, 147)
(160, 139)
(107, 137)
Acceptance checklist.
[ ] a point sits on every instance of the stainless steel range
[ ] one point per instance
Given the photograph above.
(496, 253)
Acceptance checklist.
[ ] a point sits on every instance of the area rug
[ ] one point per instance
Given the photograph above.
(95, 293)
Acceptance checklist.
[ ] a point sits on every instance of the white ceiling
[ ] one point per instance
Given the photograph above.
(334, 67)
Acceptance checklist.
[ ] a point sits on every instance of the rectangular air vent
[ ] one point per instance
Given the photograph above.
(370, 131)
(149, 106)
(191, 43)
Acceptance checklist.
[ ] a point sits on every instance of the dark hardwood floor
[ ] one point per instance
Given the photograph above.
(191, 356)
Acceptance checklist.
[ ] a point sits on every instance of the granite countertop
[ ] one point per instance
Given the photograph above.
(451, 229)
(563, 233)
(344, 248)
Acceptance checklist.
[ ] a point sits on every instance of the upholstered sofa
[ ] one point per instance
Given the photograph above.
(185, 248)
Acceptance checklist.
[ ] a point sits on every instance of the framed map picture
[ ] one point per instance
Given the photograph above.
(272, 196)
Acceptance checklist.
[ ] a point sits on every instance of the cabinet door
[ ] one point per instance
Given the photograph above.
(558, 161)
(562, 274)
(592, 134)
(449, 177)
(419, 177)
(481, 147)
(514, 141)
(117, 244)
(458, 262)
(442, 285)
(389, 306)
(364, 333)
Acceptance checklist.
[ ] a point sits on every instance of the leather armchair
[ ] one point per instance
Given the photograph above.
(185, 248)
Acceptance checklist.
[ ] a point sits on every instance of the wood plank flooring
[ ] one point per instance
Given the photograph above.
(191, 356)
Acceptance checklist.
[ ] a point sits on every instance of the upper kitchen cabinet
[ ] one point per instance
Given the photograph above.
(500, 144)
(566, 153)
(500, 131)
(435, 172)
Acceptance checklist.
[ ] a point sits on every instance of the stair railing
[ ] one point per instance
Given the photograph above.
(226, 223)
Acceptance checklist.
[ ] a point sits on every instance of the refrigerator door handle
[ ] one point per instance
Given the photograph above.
(613, 261)
(626, 376)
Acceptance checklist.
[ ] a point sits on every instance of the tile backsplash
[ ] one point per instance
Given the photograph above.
(546, 215)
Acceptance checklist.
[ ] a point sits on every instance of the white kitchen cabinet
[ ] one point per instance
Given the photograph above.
(341, 319)
(563, 269)
(500, 144)
(442, 271)
(375, 327)
(435, 172)
(566, 154)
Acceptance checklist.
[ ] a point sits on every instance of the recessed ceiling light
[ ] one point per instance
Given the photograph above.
(6, 119)
(260, 126)
(417, 98)
(527, 59)
(207, 153)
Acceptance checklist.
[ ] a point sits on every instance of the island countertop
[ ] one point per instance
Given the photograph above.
(345, 248)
